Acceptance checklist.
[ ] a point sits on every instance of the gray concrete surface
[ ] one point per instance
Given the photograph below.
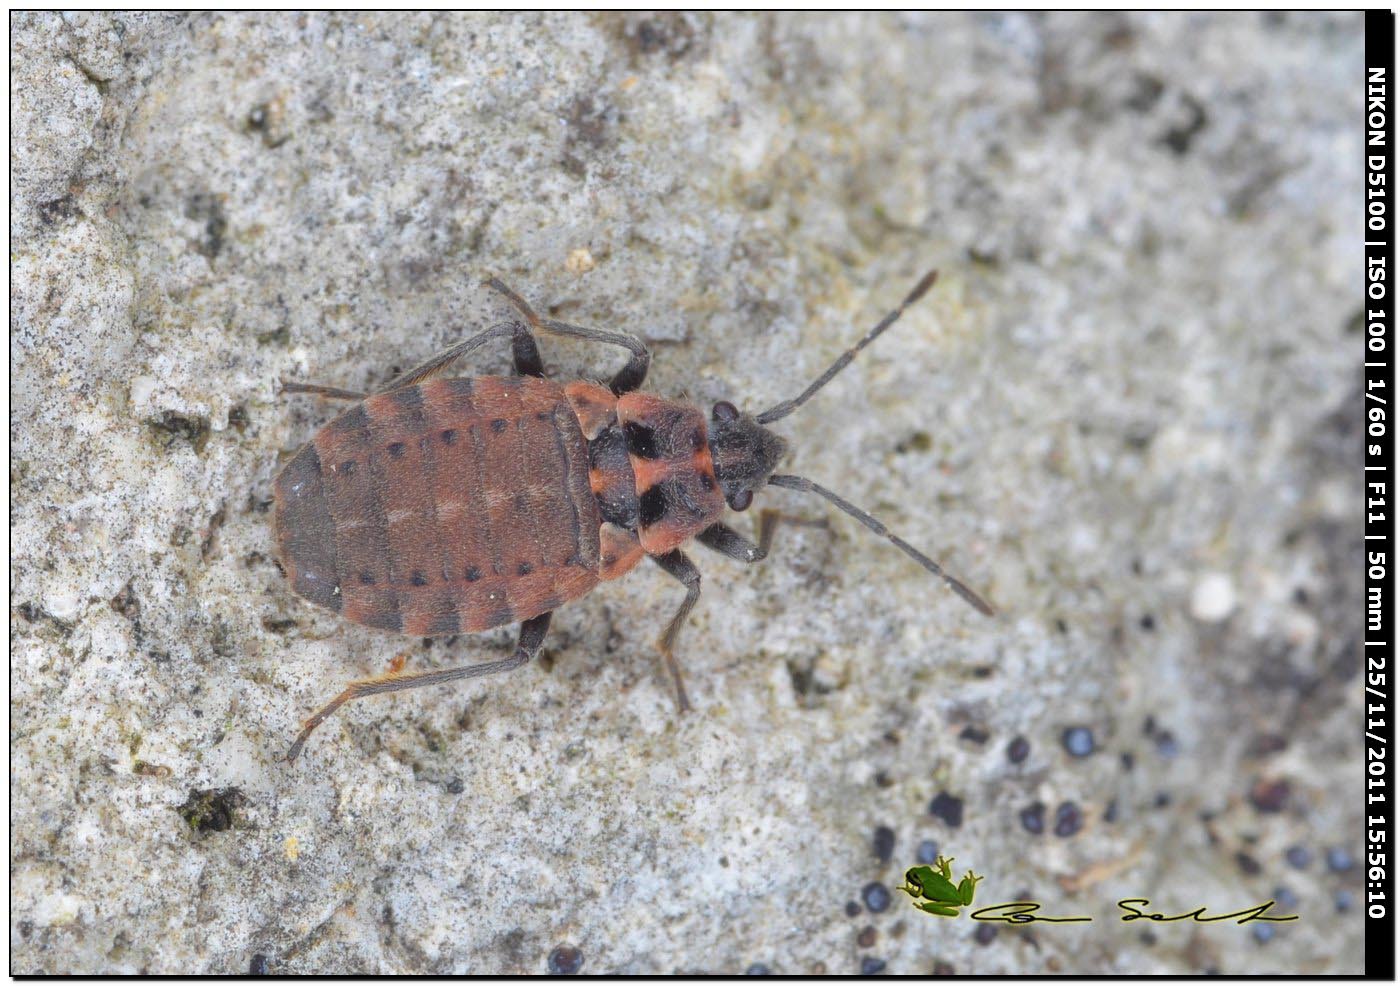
(1124, 414)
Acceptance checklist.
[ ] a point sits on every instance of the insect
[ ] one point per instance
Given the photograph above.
(441, 505)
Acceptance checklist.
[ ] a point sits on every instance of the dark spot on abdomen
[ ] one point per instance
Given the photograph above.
(500, 617)
(385, 620)
(444, 623)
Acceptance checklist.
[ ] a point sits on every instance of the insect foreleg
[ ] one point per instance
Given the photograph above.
(628, 379)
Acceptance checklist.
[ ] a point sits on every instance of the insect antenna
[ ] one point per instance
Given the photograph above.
(782, 410)
(806, 485)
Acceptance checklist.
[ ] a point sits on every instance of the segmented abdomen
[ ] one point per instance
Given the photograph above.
(451, 506)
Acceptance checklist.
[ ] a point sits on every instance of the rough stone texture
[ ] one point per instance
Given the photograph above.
(1126, 413)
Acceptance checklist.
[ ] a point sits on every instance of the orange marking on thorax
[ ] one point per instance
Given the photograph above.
(594, 405)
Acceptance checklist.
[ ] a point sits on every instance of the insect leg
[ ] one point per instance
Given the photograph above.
(680, 567)
(522, 345)
(629, 378)
(334, 393)
(727, 541)
(532, 633)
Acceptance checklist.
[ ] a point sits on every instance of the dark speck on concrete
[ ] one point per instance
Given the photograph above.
(985, 934)
(1285, 897)
(565, 960)
(871, 966)
(927, 851)
(1078, 741)
(876, 897)
(1263, 933)
(1018, 749)
(852, 908)
(1299, 857)
(758, 969)
(211, 810)
(948, 808)
(974, 734)
(1339, 860)
(1033, 818)
(883, 843)
(867, 936)
(1248, 864)
(1343, 900)
(941, 968)
(257, 965)
(1269, 795)
(1068, 819)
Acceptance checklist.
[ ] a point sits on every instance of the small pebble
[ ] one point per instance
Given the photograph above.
(884, 843)
(985, 933)
(1285, 897)
(1033, 818)
(257, 966)
(852, 908)
(758, 969)
(1167, 746)
(867, 936)
(1269, 795)
(1068, 819)
(927, 852)
(941, 968)
(565, 960)
(871, 967)
(1213, 599)
(1299, 857)
(948, 808)
(1343, 900)
(1339, 860)
(1248, 865)
(876, 897)
(1078, 741)
(1018, 749)
(1263, 933)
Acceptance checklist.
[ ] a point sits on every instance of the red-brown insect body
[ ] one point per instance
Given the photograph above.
(451, 506)
(459, 505)
(454, 505)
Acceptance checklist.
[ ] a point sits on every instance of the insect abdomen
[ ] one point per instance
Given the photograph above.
(452, 506)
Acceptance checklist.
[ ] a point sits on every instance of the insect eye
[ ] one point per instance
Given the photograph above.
(725, 411)
(741, 500)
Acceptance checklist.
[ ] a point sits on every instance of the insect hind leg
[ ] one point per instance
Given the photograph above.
(532, 634)
(320, 390)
